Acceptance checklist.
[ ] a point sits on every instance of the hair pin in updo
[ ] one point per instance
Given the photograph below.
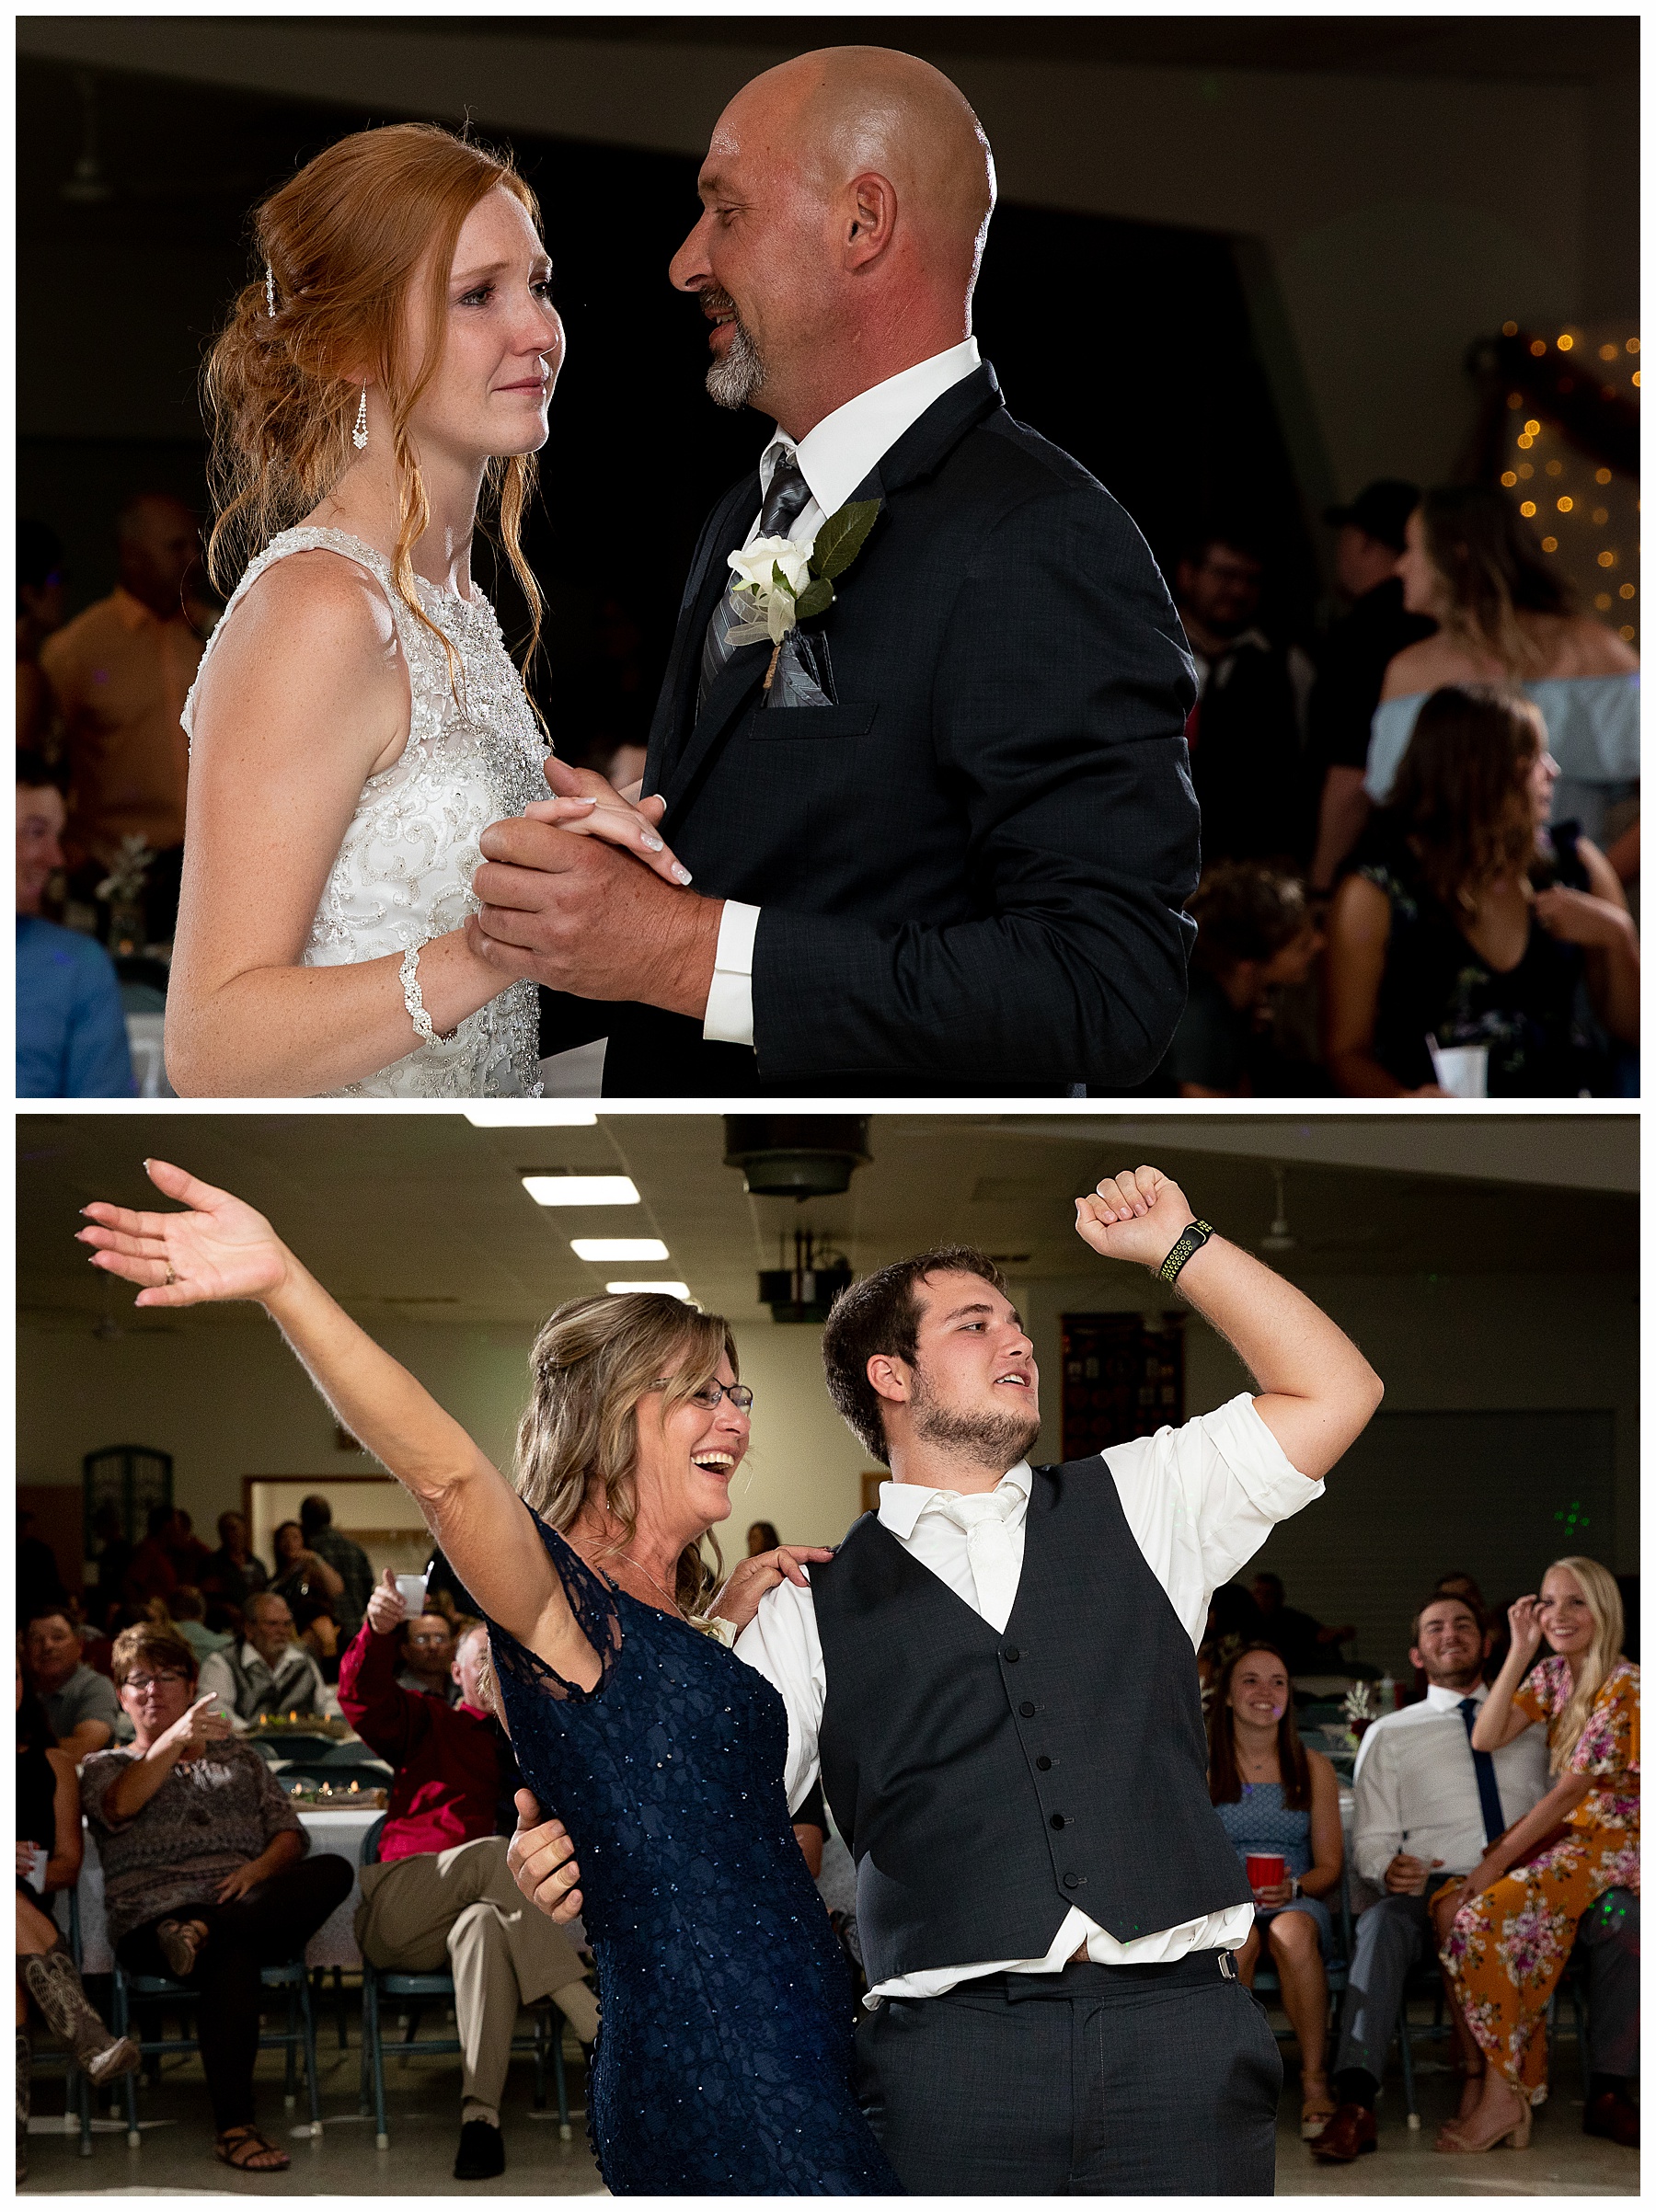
(269, 292)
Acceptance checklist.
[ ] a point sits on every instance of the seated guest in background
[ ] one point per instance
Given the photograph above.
(1254, 935)
(319, 1634)
(80, 1704)
(762, 1537)
(1459, 1584)
(120, 673)
(441, 1895)
(150, 1572)
(1467, 920)
(1244, 729)
(188, 1611)
(1233, 1619)
(1428, 1807)
(268, 1672)
(425, 1651)
(1353, 663)
(1306, 1645)
(232, 1573)
(49, 1859)
(71, 1039)
(347, 1560)
(190, 1557)
(1274, 1795)
(1506, 616)
(1514, 1918)
(302, 1576)
(205, 1874)
(114, 1556)
(40, 612)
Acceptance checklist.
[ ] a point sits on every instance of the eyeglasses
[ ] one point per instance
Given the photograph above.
(709, 1395)
(141, 1682)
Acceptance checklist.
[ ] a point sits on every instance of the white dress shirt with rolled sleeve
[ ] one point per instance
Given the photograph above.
(1200, 1500)
(833, 459)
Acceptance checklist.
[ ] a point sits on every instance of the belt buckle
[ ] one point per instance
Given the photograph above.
(1227, 1966)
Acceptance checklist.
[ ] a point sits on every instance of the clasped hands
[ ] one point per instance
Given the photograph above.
(579, 892)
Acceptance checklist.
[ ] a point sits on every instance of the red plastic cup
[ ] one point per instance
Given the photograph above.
(1265, 1869)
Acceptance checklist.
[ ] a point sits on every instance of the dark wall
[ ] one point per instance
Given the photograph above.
(1129, 344)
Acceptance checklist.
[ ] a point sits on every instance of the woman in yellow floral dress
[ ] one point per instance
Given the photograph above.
(1514, 1918)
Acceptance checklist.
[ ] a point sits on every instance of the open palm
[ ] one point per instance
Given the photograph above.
(219, 1248)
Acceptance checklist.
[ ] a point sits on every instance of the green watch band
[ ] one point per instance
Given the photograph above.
(1196, 1235)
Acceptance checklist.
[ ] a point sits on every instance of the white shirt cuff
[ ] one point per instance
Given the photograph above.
(729, 1016)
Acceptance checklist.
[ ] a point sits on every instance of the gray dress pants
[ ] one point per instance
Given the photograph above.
(1394, 1935)
(1098, 2081)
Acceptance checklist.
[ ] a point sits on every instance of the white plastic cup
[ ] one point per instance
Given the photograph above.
(1462, 1070)
(412, 1589)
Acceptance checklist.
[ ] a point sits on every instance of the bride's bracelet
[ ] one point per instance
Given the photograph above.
(415, 1005)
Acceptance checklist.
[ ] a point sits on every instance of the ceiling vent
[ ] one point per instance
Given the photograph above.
(797, 1155)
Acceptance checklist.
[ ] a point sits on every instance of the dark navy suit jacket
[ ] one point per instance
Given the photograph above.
(971, 866)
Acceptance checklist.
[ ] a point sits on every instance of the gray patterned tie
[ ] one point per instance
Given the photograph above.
(784, 502)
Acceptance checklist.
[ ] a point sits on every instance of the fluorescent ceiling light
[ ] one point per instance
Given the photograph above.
(581, 1190)
(667, 1289)
(618, 1248)
(530, 1113)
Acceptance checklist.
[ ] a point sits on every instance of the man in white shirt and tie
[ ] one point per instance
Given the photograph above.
(1426, 1807)
(995, 1675)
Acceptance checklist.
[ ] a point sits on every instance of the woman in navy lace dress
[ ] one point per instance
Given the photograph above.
(723, 2065)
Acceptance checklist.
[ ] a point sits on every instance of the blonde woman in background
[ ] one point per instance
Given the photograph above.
(356, 723)
(1515, 1915)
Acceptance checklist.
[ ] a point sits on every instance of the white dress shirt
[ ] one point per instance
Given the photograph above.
(833, 459)
(1199, 1500)
(1416, 1787)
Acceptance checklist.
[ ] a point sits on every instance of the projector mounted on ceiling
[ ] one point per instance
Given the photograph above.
(797, 1155)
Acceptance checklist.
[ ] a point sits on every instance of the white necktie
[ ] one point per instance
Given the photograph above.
(984, 1516)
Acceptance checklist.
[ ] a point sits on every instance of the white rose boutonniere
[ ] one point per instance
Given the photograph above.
(781, 581)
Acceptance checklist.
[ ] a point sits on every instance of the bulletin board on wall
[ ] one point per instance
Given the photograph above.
(1123, 1377)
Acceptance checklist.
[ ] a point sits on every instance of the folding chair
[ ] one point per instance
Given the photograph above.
(292, 1976)
(78, 2088)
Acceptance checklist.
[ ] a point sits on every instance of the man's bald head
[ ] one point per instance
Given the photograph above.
(851, 109)
(847, 194)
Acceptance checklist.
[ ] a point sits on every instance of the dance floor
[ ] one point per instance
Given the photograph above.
(424, 2109)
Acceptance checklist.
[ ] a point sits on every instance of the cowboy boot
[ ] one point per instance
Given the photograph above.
(54, 1982)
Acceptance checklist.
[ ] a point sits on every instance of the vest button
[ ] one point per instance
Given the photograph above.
(1072, 1881)
(1011, 1654)
(1058, 1820)
(1043, 1762)
(1027, 1710)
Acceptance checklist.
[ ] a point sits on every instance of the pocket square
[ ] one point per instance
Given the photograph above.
(804, 675)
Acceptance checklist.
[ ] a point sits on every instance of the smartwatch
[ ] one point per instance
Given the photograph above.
(1195, 1236)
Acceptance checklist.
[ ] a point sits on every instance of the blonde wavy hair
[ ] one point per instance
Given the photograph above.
(1604, 1603)
(345, 241)
(578, 1441)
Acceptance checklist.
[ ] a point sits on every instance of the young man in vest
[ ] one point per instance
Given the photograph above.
(996, 1676)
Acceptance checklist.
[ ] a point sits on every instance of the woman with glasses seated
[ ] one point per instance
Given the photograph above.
(723, 2065)
(205, 1875)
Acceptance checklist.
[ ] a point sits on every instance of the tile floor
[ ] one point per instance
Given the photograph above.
(423, 2099)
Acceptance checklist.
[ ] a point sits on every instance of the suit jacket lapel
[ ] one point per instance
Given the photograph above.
(676, 706)
(681, 739)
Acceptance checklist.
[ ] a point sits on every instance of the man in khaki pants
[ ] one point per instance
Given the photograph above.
(441, 1895)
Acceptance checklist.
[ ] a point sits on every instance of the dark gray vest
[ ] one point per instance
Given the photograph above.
(986, 1782)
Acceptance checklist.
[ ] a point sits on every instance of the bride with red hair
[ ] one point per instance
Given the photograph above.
(357, 723)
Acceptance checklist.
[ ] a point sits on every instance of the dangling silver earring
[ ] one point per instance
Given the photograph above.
(359, 436)
(269, 292)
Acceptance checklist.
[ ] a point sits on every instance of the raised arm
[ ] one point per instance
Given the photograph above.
(1497, 1720)
(219, 1249)
(1316, 1393)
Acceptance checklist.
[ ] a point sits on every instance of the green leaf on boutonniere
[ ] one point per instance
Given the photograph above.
(839, 539)
(816, 599)
(780, 581)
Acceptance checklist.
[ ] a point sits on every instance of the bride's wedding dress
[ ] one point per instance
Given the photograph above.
(404, 871)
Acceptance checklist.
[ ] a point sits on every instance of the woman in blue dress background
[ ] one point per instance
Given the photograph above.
(723, 2064)
(1272, 1794)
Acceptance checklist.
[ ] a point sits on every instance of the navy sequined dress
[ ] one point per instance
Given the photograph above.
(723, 2063)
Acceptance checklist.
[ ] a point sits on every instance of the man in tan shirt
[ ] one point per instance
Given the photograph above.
(120, 672)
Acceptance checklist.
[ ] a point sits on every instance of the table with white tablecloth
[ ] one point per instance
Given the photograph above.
(334, 1944)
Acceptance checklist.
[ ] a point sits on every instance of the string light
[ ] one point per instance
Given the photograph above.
(1565, 506)
(1606, 560)
(1608, 352)
(1532, 429)
(1527, 509)
(1549, 544)
(1525, 471)
(1565, 342)
(1509, 330)
(1508, 477)
(1537, 347)
(1602, 602)
(1629, 591)
(1632, 345)
(1600, 476)
(1601, 515)
(1526, 439)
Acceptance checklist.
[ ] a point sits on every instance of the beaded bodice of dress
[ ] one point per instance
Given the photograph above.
(404, 869)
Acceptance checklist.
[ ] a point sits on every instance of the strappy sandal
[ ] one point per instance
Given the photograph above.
(250, 2152)
(179, 1943)
(1317, 2109)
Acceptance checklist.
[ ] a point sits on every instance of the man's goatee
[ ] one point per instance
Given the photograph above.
(732, 382)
